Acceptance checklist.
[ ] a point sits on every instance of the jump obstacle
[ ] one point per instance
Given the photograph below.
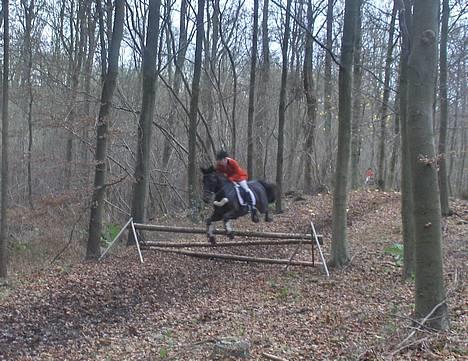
(268, 238)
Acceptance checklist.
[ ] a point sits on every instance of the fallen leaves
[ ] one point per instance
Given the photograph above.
(176, 307)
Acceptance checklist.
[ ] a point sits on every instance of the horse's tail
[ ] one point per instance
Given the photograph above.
(270, 189)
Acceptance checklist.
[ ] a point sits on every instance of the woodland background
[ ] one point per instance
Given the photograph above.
(56, 82)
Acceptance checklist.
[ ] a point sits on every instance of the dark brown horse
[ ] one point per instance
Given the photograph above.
(226, 206)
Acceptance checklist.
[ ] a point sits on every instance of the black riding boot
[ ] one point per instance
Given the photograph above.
(252, 209)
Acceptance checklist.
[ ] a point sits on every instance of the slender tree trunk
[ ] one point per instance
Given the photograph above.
(145, 126)
(76, 55)
(5, 173)
(406, 192)
(179, 68)
(311, 100)
(251, 109)
(453, 137)
(234, 84)
(443, 178)
(262, 116)
(282, 108)
(422, 68)
(339, 246)
(463, 151)
(385, 98)
(356, 140)
(192, 134)
(209, 74)
(327, 93)
(91, 28)
(28, 18)
(395, 143)
(110, 80)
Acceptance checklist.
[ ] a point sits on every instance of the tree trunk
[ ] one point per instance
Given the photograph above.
(251, 109)
(192, 134)
(422, 68)
(443, 179)
(110, 80)
(209, 74)
(311, 100)
(327, 92)
(5, 173)
(262, 114)
(406, 192)
(395, 143)
(87, 87)
(145, 126)
(339, 246)
(356, 140)
(75, 59)
(385, 98)
(179, 67)
(27, 53)
(282, 108)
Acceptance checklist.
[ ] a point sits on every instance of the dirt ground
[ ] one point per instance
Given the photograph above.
(174, 307)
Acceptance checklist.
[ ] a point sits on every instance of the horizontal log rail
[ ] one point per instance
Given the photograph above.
(166, 244)
(236, 257)
(270, 235)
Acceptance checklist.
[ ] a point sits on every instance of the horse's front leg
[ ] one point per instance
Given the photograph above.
(210, 227)
(227, 218)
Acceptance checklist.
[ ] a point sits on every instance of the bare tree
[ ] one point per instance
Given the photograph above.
(356, 140)
(110, 79)
(443, 179)
(193, 118)
(422, 69)
(251, 109)
(5, 173)
(385, 99)
(282, 107)
(145, 126)
(339, 246)
(327, 92)
(311, 100)
(406, 193)
(262, 98)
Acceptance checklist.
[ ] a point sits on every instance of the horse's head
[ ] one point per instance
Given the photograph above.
(211, 183)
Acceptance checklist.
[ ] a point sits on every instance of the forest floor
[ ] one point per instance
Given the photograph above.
(174, 307)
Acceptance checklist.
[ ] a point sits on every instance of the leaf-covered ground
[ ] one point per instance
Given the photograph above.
(174, 307)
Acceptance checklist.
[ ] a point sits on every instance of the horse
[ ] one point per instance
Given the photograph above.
(226, 205)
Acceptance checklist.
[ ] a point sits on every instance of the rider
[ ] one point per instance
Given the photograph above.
(369, 177)
(234, 173)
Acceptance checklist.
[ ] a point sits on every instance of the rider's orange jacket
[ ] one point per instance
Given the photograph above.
(232, 170)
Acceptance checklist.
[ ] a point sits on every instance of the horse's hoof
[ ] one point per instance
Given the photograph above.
(230, 235)
(268, 219)
(212, 239)
(255, 218)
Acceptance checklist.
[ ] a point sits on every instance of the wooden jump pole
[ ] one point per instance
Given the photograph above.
(270, 235)
(235, 257)
(225, 244)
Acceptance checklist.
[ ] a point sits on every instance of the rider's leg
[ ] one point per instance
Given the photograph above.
(251, 202)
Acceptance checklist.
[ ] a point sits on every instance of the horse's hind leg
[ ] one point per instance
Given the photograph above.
(268, 218)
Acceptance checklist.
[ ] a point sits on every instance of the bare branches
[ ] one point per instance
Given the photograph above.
(314, 38)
